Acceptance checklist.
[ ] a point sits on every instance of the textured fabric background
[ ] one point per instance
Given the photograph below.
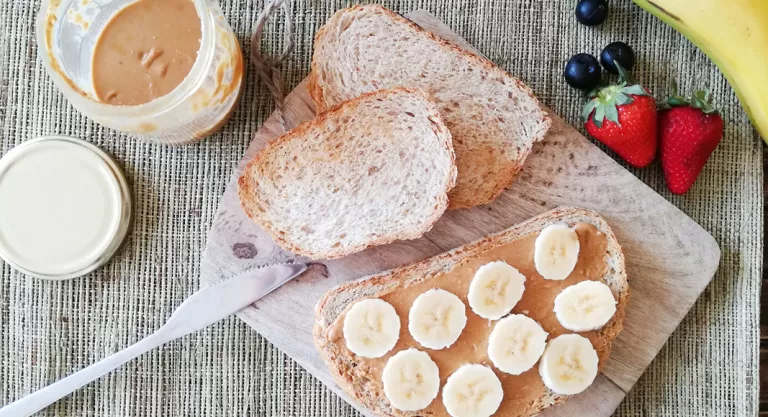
(49, 329)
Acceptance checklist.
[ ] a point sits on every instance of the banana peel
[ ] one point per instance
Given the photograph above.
(734, 34)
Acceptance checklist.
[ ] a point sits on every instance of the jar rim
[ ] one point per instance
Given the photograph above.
(152, 109)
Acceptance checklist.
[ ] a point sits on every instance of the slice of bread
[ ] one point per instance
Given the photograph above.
(356, 378)
(493, 117)
(368, 172)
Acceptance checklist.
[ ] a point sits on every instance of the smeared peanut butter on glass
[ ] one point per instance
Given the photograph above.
(145, 51)
(520, 392)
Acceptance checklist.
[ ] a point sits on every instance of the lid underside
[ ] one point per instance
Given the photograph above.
(64, 208)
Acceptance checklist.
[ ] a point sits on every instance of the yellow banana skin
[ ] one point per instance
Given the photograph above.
(734, 34)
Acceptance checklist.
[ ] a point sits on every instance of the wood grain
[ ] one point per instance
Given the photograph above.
(670, 259)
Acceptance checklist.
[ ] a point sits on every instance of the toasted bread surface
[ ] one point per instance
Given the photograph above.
(370, 171)
(493, 117)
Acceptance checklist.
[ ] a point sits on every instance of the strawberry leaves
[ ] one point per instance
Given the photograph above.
(701, 99)
(606, 101)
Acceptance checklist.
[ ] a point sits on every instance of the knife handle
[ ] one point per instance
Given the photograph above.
(38, 400)
(203, 308)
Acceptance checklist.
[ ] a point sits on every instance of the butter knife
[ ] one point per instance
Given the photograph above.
(203, 308)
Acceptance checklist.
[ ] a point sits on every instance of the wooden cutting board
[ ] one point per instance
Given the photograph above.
(670, 259)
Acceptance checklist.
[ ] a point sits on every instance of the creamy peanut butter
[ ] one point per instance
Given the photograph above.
(520, 392)
(145, 51)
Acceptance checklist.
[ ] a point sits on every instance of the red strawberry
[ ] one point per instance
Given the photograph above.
(689, 131)
(630, 128)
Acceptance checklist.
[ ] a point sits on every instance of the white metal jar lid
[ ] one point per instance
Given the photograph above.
(65, 207)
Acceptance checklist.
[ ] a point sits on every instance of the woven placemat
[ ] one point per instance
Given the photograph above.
(49, 329)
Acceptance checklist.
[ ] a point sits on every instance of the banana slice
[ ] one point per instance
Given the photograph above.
(569, 364)
(516, 343)
(436, 319)
(585, 306)
(371, 328)
(556, 252)
(495, 290)
(411, 380)
(472, 391)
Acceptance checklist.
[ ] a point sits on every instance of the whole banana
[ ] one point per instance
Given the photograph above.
(734, 34)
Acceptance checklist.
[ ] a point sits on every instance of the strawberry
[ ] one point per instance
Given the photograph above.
(630, 128)
(689, 131)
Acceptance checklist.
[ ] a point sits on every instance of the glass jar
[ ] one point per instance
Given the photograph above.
(67, 34)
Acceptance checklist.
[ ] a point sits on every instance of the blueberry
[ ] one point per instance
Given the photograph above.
(583, 72)
(619, 52)
(592, 12)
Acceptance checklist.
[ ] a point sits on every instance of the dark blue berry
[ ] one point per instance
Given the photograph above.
(592, 12)
(619, 52)
(583, 72)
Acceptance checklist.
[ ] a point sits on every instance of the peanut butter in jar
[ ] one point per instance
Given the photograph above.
(168, 71)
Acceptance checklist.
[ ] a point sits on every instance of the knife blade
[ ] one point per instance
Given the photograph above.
(203, 308)
(227, 297)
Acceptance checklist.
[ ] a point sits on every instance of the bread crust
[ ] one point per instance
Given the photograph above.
(335, 300)
(248, 192)
(506, 175)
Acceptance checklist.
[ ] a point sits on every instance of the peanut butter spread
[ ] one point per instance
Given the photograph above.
(145, 51)
(520, 392)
